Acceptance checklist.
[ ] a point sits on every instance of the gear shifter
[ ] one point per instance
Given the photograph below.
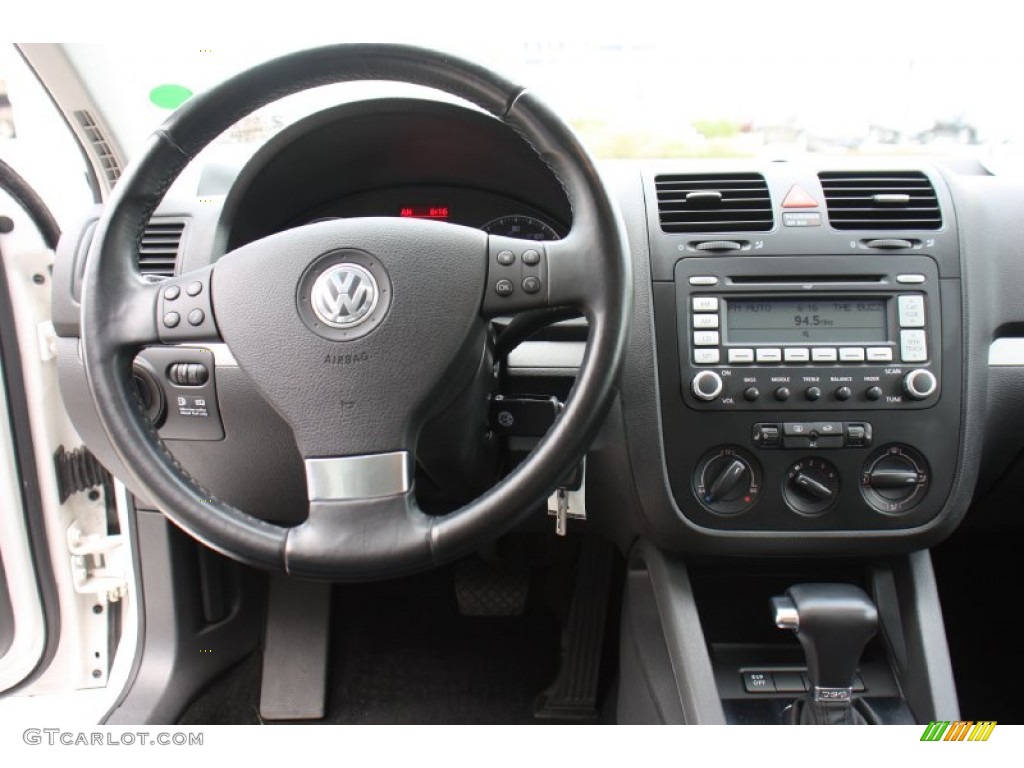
(833, 623)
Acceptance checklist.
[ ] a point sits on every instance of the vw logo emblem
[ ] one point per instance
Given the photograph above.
(344, 296)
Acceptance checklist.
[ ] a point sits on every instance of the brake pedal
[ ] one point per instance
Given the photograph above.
(491, 589)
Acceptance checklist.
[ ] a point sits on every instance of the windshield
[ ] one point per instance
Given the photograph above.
(733, 80)
(650, 99)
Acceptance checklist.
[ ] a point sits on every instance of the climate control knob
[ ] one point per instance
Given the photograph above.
(895, 479)
(706, 386)
(920, 384)
(727, 481)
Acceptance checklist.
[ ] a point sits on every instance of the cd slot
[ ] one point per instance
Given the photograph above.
(802, 280)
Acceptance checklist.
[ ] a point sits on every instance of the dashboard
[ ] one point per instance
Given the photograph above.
(809, 366)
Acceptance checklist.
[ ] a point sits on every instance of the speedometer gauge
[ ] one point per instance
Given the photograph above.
(522, 227)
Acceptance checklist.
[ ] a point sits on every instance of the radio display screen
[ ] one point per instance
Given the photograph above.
(805, 321)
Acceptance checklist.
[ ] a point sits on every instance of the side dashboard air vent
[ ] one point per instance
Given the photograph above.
(107, 159)
(880, 200)
(720, 202)
(159, 247)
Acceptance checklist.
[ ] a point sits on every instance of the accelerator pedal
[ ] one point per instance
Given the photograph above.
(295, 650)
(573, 695)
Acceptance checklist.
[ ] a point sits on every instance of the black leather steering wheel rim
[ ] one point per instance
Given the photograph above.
(590, 270)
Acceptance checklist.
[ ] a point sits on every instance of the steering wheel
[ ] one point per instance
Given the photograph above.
(353, 328)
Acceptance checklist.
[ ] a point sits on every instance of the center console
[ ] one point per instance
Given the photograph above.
(809, 381)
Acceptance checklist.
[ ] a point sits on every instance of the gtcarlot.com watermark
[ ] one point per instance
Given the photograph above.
(54, 737)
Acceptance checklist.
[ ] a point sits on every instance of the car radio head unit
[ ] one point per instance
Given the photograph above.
(762, 334)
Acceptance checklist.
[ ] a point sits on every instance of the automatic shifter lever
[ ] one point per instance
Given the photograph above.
(833, 623)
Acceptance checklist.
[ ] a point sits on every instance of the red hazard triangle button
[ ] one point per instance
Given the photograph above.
(797, 197)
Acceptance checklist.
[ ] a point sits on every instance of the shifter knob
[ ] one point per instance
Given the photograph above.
(833, 623)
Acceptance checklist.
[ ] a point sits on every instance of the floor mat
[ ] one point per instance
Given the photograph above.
(402, 653)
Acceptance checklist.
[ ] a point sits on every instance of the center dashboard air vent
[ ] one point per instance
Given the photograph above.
(160, 245)
(874, 200)
(720, 202)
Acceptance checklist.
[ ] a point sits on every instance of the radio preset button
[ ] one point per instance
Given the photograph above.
(812, 393)
(769, 355)
(910, 279)
(796, 355)
(844, 393)
(706, 356)
(705, 321)
(823, 354)
(911, 311)
(851, 354)
(879, 354)
(741, 355)
(703, 280)
(913, 346)
(705, 304)
(782, 394)
(705, 339)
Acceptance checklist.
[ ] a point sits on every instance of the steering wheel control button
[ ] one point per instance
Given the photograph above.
(531, 258)
(844, 393)
(172, 319)
(531, 284)
(194, 288)
(727, 481)
(920, 384)
(706, 356)
(812, 393)
(706, 386)
(504, 288)
(344, 294)
(196, 317)
(172, 293)
(894, 479)
(506, 258)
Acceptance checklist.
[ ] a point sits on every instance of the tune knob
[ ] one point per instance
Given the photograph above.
(706, 386)
(920, 384)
